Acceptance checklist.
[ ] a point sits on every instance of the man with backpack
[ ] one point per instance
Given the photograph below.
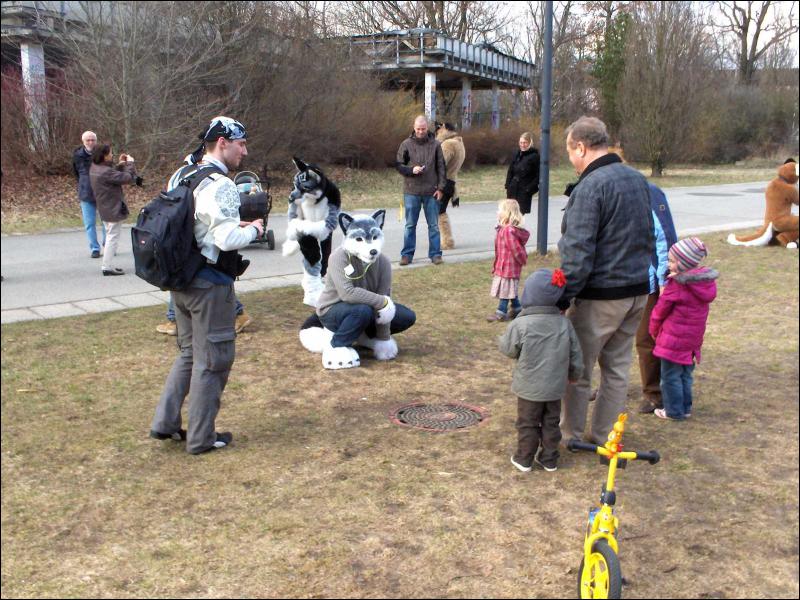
(206, 308)
(170, 327)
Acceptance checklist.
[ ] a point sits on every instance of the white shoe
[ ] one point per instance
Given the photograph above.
(519, 466)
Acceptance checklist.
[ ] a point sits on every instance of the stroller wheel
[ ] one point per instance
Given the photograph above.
(270, 239)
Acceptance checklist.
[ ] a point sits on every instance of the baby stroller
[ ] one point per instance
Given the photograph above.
(255, 203)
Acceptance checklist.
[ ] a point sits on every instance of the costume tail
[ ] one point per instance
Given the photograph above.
(762, 237)
(313, 336)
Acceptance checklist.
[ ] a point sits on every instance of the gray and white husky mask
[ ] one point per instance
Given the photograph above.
(363, 235)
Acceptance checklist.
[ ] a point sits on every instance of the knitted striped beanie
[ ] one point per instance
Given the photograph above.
(688, 253)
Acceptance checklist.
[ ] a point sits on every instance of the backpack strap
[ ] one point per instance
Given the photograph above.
(193, 179)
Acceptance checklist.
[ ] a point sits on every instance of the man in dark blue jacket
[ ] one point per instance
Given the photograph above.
(606, 248)
(665, 237)
(81, 161)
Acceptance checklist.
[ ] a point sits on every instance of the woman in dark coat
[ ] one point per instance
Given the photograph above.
(107, 181)
(522, 179)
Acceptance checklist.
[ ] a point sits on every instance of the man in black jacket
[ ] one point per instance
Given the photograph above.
(606, 245)
(81, 161)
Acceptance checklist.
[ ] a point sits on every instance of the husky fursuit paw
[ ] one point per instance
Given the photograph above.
(342, 357)
(382, 349)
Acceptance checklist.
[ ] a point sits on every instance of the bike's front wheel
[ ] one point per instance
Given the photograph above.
(601, 577)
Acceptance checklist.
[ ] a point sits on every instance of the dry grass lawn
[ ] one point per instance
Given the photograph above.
(321, 495)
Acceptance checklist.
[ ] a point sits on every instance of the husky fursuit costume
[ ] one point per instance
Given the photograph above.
(314, 206)
(356, 304)
(780, 225)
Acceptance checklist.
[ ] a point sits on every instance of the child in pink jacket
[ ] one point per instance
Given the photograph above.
(678, 323)
(509, 258)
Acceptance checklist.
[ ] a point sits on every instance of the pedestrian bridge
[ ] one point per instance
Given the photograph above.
(427, 58)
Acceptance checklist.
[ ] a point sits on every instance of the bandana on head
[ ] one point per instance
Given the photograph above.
(223, 127)
(220, 127)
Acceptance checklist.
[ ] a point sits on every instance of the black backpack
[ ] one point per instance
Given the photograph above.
(165, 251)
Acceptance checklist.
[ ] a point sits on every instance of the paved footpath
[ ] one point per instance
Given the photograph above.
(51, 275)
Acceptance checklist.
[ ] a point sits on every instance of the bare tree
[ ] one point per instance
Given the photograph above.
(668, 66)
(147, 71)
(752, 29)
(572, 39)
(468, 20)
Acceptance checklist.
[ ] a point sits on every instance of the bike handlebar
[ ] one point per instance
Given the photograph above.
(652, 457)
(578, 445)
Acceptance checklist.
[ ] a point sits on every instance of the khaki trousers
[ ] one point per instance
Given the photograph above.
(112, 241)
(649, 365)
(605, 329)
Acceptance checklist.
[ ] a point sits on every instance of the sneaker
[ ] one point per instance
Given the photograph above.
(114, 271)
(688, 415)
(178, 436)
(548, 465)
(95, 253)
(405, 261)
(242, 321)
(520, 466)
(497, 316)
(437, 260)
(661, 413)
(223, 439)
(168, 328)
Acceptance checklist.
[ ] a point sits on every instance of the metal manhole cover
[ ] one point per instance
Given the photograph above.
(451, 416)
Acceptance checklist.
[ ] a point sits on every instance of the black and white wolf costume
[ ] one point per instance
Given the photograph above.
(314, 206)
(356, 305)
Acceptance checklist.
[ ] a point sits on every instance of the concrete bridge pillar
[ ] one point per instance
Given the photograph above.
(430, 96)
(495, 106)
(33, 80)
(466, 103)
(517, 104)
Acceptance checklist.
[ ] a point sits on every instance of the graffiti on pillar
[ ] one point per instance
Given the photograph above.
(430, 96)
(466, 105)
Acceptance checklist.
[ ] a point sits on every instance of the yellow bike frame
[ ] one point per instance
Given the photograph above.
(605, 524)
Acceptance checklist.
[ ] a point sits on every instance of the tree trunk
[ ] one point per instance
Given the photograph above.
(656, 168)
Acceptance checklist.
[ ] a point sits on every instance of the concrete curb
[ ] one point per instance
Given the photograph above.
(156, 297)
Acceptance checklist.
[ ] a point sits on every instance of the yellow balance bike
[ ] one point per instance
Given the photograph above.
(599, 575)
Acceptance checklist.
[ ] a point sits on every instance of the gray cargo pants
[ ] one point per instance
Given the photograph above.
(205, 314)
(605, 329)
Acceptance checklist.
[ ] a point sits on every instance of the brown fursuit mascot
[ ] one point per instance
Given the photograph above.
(780, 225)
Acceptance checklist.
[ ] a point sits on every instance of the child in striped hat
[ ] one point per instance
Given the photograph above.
(678, 323)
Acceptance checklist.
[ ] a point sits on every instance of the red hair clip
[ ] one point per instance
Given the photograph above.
(558, 279)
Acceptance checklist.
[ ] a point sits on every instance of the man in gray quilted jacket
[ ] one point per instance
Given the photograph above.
(606, 244)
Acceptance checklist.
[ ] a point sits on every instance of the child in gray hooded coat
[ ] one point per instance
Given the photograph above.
(549, 354)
